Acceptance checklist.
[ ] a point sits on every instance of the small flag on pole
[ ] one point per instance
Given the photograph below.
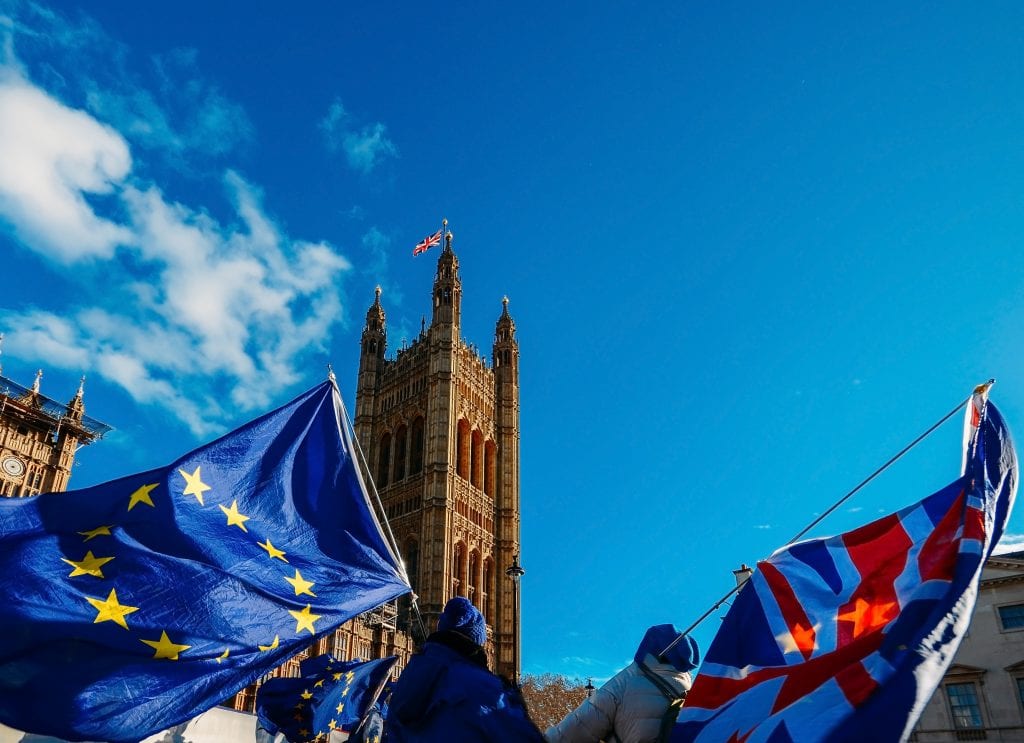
(329, 695)
(427, 243)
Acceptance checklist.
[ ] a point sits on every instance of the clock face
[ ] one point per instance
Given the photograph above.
(13, 466)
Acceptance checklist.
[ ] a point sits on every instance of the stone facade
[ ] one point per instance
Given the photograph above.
(982, 694)
(439, 425)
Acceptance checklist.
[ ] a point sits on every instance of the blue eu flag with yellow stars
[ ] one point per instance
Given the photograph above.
(329, 695)
(135, 605)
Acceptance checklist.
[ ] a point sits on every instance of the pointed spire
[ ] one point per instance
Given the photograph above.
(76, 408)
(504, 307)
(375, 315)
(35, 384)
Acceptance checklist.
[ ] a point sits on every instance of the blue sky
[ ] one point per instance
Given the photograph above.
(751, 251)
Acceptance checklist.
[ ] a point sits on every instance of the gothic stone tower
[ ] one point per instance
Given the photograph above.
(39, 438)
(440, 429)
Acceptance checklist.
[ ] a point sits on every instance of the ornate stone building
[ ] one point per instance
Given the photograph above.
(440, 428)
(39, 438)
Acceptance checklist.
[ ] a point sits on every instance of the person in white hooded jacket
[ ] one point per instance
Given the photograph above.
(632, 706)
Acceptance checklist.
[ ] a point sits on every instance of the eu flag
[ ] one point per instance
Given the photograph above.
(329, 695)
(846, 638)
(134, 605)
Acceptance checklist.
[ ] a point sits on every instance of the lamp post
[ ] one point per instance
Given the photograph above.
(515, 571)
(589, 687)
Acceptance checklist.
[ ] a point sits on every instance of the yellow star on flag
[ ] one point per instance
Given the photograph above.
(344, 692)
(142, 496)
(98, 531)
(319, 683)
(88, 565)
(110, 609)
(340, 707)
(304, 619)
(223, 656)
(234, 517)
(165, 648)
(194, 484)
(307, 694)
(273, 551)
(271, 646)
(350, 675)
(300, 584)
(332, 724)
(337, 676)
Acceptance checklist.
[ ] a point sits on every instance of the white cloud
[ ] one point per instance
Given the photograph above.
(171, 298)
(762, 526)
(1009, 543)
(364, 147)
(160, 103)
(54, 157)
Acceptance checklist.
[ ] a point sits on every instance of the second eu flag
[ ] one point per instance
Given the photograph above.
(134, 605)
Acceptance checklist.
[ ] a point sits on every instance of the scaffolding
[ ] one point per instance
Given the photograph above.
(57, 411)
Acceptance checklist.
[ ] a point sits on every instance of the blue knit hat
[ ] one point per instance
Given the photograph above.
(461, 616)
(685, 656)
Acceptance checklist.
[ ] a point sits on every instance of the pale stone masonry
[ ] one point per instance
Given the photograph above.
(440, 428)
(982, 694)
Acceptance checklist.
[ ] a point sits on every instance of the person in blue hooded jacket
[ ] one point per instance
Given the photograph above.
(447, 693)
(639, 703)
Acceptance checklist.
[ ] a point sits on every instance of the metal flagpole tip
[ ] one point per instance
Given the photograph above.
(330, 374)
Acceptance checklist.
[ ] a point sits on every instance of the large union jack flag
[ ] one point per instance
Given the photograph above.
(846, 638)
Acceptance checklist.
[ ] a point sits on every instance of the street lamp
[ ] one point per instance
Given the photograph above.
(515, 571)
(589, 687)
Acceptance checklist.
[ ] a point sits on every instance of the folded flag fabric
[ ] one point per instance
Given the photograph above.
(134, 605)
(846, 638)
(329, 695)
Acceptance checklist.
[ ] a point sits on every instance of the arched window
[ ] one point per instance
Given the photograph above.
(487, 597)
(416, 463)
(459, 570)
(477, 460)
(463, 450)
(400, 448)
(490, 467)
(474, 578)
(412, 560)
(384, 461)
